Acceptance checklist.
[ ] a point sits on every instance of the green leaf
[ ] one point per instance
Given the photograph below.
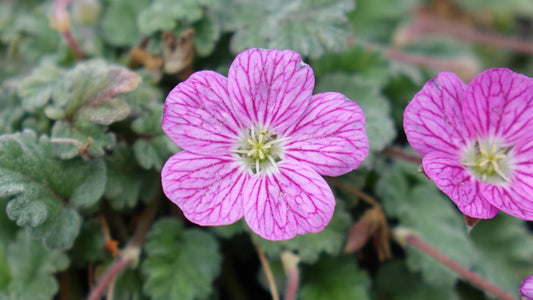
(395, 282)
(180, 264)
(206, 35)
(423, 209)
(377, 109)
(154, 148)
(310, 27)
(10, 111)
(37, 89)
(504, 246)
(45, 191)
(31, 268)
(119, 22)
(127, 183)
(163, 15)
(84, 103)
(377, 20)
(309, 246)
(90, 84)
(129, 285)
(368, 64)
(334, 278)
(89, 245)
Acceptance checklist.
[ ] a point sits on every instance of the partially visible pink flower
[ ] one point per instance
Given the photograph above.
(255, 144)
(477, 140)
(526, 289)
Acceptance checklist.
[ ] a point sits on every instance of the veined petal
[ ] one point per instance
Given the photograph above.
(330, 138)
(207, 189)
(433, 119)
(499, 103)
(294, 201)
(270, 87)
(455, 181)
(198, 115)
(515, 198)
(526, 288)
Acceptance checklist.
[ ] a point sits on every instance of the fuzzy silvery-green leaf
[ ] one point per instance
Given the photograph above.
(334, 278)
(206, 35)
(310, 27)
(154, 148)
(181, 263)
(377, 109)
(368, 64)
(506, 243)
(119, 22)
(89, 85)
(163, 15)
(10, 111)
(46, 192)
(37, 89)
(127, 182)
(84, 105)
(31, 269)
(443, 227)
(310, 246)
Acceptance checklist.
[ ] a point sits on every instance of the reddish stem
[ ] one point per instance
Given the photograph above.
(73, 44)
(466, 274)
(402, 154)
(292, 284)
(118, 265)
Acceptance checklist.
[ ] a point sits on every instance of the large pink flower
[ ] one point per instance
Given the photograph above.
(476, 140)
(255, 144)
(526, 288)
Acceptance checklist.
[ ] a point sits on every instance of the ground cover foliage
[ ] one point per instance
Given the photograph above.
(81, 149)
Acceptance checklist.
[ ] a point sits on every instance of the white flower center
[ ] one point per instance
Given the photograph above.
(489, 161)
(259, 149)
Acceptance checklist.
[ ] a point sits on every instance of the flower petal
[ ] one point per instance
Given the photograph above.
(433, 119)
(526, 288)
(207, 189)
(455, 181)
(198, 115)
(294, 201)
(499, 103)
(330, 138)
(270, 87)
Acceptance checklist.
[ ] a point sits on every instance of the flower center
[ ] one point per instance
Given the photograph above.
(259, 149)
(489, 161)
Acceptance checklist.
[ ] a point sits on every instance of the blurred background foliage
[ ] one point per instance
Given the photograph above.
(81, 97)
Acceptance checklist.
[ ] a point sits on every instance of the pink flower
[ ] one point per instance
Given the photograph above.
(526, 289)
(476, 140)
(255, 144)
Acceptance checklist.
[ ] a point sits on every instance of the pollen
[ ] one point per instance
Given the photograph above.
(489, 161)
(259, 149)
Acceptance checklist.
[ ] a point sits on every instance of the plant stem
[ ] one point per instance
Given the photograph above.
(131, 252)
(268, 272)
(405, 236)
(396, 152)
(354, 191)
(73, 45)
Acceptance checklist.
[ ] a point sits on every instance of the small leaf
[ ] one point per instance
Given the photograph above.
(31, 268)
(90, 83)
(504, 247)
(10, 111)
(309, 246)
(45, 190)
(111, 111)
(89, 246)
(119, 22)
(310, 27)
(163, 15)
(36, 89)
(425, 210)
(180, 264)
(128, 183)
(334, 278)
(81, 133)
